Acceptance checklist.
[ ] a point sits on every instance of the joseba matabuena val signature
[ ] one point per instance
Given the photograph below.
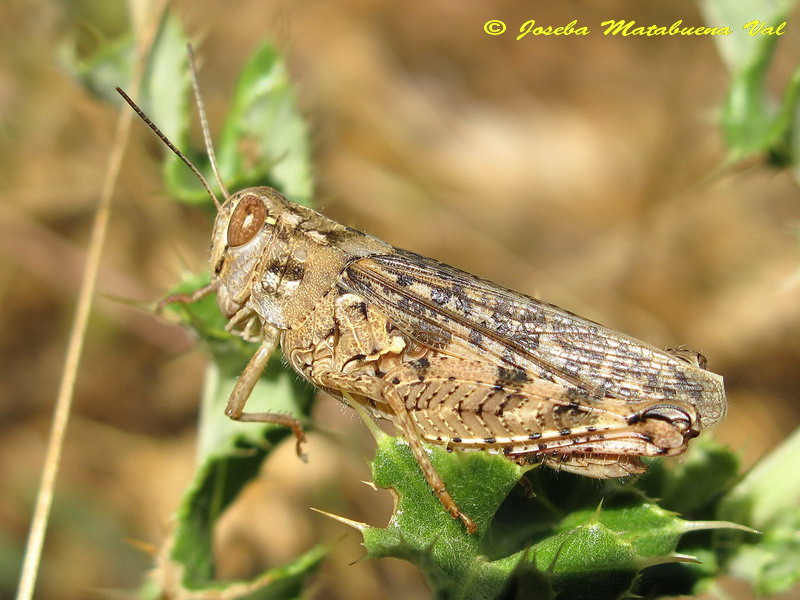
(625, 28)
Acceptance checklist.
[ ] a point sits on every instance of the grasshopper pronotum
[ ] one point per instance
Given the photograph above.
(447, 357)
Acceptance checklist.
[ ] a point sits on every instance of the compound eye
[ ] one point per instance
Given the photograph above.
(246, 220)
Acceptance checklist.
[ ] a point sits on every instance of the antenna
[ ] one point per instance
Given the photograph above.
(201, 111)
(169, 144)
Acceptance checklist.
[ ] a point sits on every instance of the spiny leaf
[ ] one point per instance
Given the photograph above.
(560, 541)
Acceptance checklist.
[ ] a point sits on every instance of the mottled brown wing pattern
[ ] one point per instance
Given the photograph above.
(441, 306)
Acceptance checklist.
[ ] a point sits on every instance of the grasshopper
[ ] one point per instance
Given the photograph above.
(448, 358)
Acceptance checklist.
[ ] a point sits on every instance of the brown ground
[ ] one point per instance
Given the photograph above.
(580, 170)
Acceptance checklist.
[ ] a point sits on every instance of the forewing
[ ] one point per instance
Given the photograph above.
(451, 310)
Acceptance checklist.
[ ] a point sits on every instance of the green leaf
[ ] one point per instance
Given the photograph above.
(166, 83)
(165, 98)
(264, 140)
(753, 123)
(739, 50)
(693, 485)
(588, 561)
(424, 533)
(574, 538)
(479, 485)
(769, 494)
(768, 499)
(265, 133)
(216, 485)
(109, 64)
(100, 72)
(163, 95)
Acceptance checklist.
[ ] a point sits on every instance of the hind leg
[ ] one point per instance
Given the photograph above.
(377, 388)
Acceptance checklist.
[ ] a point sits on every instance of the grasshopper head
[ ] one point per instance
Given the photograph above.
(257, 261)
(243, 243)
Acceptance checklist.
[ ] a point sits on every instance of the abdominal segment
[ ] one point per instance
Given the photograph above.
(471, 405)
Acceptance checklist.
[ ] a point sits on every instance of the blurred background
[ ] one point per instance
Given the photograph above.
(581, 170)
